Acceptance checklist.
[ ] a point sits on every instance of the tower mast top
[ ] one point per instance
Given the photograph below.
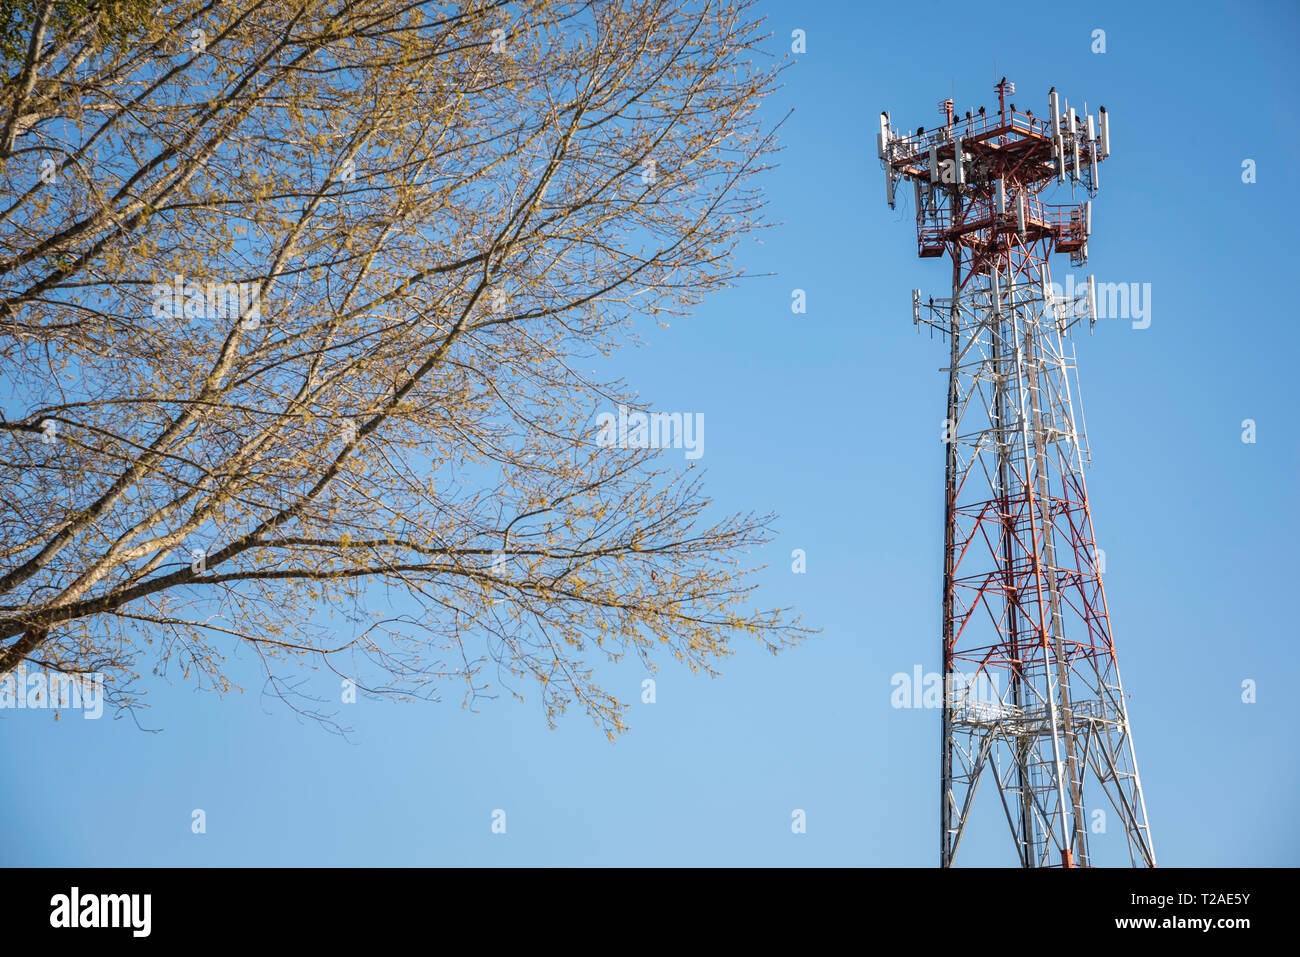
(977, 178)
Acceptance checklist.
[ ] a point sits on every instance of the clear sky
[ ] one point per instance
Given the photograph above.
(832, 420)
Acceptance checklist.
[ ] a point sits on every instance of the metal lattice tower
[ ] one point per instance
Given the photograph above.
(1033, 698)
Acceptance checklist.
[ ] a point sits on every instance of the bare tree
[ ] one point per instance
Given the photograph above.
(298, 301)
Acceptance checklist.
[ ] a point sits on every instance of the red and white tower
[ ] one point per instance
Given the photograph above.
(1034, 705)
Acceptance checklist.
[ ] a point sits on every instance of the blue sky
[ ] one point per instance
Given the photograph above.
(832, 420)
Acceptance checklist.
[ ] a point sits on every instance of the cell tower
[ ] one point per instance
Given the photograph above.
(1024, 612)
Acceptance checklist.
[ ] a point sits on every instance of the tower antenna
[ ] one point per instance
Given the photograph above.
(1033, 703)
